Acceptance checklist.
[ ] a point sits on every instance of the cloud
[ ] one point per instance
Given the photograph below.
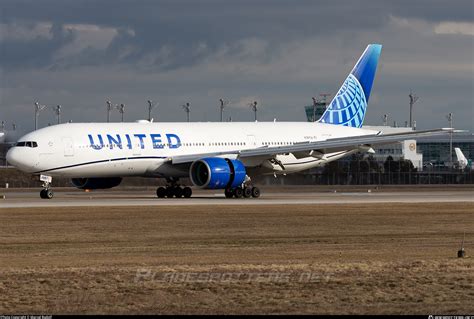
(25, 32)
(463, 28)
(34, 47)
(81, 53)
(87, 36)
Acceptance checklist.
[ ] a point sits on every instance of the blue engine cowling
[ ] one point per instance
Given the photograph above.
(96, 183)
(217, 173)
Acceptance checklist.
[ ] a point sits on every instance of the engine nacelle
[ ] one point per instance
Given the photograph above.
(217, 173)
(96, 182)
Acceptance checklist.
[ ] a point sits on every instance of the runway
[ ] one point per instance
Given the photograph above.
(274, 196)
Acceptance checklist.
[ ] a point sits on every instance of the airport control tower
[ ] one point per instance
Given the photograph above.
(320, 108)
(315, 111)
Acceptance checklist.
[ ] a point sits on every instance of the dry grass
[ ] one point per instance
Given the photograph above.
(362, 258)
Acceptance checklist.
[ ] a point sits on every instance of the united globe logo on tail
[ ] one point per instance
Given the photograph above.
(349, 106)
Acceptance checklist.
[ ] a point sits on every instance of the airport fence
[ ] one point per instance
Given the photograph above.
(410, 178)
(12, 178)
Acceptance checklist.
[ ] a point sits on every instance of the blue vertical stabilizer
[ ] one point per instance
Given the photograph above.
(349, 106)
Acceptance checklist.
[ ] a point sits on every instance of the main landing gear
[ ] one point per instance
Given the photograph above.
(174, 190)
(242, 192)
(47, 192)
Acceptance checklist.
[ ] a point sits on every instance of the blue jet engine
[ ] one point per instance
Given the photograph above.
(217, 173)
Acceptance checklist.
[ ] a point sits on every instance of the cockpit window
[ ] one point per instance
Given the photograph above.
(27, 144)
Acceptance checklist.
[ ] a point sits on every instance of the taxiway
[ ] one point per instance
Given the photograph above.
(291, 196)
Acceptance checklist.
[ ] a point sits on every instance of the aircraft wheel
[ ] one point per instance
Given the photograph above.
(255, 192)
(169, 192)
(178, 192)
(47, 193)
(228, 193)
(238, 192)
(161, 192)
(247, 192)
(187, 192)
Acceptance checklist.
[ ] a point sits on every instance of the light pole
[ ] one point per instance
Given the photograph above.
(187, 109)
(57, 111)
(223, 105)
(314, 108)
(450, 120)
(38, 109)
(151, 106)
(109, 108)
(253, 106)
(121, 109)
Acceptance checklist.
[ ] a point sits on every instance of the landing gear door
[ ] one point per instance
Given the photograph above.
(68, 146)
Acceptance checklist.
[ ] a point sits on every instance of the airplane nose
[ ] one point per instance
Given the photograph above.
(19, 159)
(13, 157)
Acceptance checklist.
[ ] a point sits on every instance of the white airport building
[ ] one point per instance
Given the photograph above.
(404, 150)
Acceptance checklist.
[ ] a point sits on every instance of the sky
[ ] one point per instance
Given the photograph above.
(81, 53)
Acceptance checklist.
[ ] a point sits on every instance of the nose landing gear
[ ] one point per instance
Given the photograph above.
(47, 192)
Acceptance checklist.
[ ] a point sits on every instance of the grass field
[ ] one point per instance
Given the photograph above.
(326, 259)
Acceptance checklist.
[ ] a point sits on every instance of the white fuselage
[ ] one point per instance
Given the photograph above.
(145, 149)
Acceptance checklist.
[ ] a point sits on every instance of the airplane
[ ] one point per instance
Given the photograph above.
(462, 160)
(222, 155)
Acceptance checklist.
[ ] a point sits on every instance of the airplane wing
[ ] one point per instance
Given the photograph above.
(326, 146)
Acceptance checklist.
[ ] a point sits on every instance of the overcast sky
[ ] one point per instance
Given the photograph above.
(280, 53)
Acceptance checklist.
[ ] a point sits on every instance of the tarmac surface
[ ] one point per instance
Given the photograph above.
(272, 196)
